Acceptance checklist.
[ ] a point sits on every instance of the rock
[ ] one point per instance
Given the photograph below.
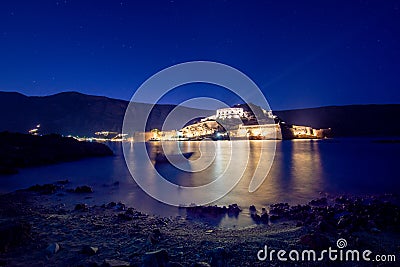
(89, 250)
(346, 223)
(263, 210)
(212, 211)
(342, 200)
(201, 264)
(264, 218)
(130, 215)
(115, 263)
(130, 211)
(280, 209)
(81, 207)
(274, 217)
(319, 202)
(152, 239)
(157, 232)
(125, 217)
(158, 258)
(343, 222)
(234, 210)
(53, 248)
(300, 212)
(111, 205)
(256, 217)
(120, 206)
(315, 241)
(374, 230)
(45, 189)
(13, 233)
(83, 189)
(219, 257)
(323, 226)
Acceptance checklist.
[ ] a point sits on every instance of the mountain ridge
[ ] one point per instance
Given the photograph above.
(80, 114)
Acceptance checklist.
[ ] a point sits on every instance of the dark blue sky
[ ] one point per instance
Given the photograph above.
(300, 53)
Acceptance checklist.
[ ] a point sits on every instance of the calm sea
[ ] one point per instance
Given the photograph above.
(301, 170)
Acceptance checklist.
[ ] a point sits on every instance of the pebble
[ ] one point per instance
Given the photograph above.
(89, 250)
(53, 248)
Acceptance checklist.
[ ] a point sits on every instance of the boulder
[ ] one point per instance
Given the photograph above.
(111, 205)
(83, 189)
(120, 206)
(256, 217)
(45, 189)
(252, 208)
(264, 218)
(234, 210)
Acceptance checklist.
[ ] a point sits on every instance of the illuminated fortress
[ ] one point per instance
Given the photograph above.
(240, 122)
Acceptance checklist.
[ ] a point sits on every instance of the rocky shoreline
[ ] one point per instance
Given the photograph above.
(36, 231)
(19, 150)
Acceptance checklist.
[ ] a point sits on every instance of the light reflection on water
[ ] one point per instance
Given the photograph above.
(301, 169)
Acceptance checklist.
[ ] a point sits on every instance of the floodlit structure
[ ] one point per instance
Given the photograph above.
(230, 113)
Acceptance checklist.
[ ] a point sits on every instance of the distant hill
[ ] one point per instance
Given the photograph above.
(79, 114)
(352, 120)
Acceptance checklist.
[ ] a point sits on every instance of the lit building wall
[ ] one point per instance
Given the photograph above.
(228, 113)
(262, 131)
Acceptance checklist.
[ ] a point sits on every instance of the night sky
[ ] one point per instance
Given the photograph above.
(300, 53)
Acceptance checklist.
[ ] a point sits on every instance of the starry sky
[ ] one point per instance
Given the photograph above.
(300, 53)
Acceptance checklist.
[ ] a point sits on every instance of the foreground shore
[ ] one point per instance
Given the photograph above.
(36, 231)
